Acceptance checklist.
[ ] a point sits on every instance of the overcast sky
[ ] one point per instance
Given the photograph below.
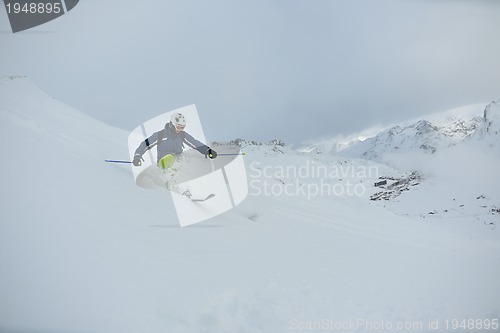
(263, 69)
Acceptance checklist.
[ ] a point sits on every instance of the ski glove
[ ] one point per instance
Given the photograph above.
(211, 153)
(137, 160)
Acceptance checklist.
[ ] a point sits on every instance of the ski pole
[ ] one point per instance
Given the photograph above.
(231, 154)
(114, 161)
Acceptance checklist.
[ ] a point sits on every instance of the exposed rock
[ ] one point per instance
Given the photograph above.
(395, 189)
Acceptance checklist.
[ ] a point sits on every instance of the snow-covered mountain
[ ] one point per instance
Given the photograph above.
(488, 129)
(455, 156)
(422, 135)
(82, 249)
(426, 134)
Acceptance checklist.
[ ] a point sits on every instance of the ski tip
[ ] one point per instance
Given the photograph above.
(205, 199)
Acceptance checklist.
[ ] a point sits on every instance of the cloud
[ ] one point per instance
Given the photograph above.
(261, 69)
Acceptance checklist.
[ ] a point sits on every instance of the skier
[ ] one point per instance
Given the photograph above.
(170, 143)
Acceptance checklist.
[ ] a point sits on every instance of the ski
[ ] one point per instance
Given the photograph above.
(200, 200)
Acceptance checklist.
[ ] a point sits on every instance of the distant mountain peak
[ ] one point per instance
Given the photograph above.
(491, 111)
(430, 134)
(424, 126)
(488, 129)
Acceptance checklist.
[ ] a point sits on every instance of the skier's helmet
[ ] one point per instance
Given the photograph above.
(178, 120)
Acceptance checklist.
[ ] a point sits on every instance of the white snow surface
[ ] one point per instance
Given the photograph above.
(82, 249)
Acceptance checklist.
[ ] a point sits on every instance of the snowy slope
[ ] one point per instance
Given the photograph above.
(82, 249)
